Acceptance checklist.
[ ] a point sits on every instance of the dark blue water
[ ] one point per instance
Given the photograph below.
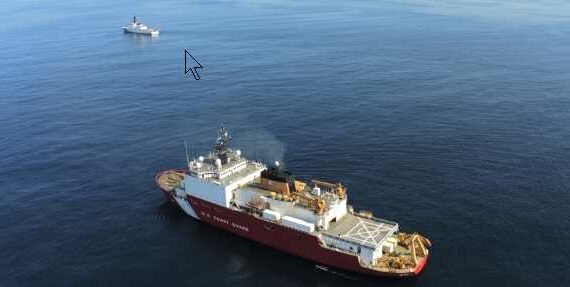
(452, 119)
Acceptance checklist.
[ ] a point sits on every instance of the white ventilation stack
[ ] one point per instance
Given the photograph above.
(317, 191)
(200, 162)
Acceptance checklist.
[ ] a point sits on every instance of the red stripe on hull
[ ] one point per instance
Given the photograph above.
(283, 238)
(421, 265)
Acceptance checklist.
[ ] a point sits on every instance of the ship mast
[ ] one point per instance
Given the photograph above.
(221, 147)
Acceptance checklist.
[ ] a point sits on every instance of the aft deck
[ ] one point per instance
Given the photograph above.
(362, 231)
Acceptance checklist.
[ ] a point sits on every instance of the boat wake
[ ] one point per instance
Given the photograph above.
(332, 271)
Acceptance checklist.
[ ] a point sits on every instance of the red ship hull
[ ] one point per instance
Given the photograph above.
(283, 238)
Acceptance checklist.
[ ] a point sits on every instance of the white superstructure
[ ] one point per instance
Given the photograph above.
(140, 28)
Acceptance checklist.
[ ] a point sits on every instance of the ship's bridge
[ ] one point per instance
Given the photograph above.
(223, 172)
(224, 163)
(214, 180)
(212, 166)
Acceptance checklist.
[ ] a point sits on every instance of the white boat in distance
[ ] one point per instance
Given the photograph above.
(139, 28)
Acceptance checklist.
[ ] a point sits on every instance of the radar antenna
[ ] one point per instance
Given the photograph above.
(223, 142)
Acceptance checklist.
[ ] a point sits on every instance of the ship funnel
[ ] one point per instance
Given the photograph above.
(218, 163)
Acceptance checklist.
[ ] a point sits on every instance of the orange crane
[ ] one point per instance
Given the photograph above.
(337, 188)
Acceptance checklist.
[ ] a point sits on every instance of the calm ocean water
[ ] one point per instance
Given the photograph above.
(452, 119)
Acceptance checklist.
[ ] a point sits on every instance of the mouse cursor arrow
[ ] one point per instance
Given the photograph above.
(193, 66)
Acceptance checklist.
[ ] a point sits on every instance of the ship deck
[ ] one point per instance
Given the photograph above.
(362, 231)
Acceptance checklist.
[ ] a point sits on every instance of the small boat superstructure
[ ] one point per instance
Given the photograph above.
(136, 27)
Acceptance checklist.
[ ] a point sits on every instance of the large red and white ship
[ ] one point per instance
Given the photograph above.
(307, 219)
